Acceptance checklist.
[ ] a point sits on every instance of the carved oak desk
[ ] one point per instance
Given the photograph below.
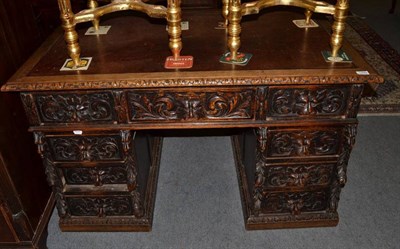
(297, 114)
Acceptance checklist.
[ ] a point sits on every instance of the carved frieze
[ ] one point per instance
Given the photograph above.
(287, 143)
(307, 101)
(100, 206)
(85, 148)
(75, 108)
(164, 105)
(192, 82)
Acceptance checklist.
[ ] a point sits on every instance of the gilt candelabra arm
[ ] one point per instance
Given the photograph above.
(155, 11)
(255, 7)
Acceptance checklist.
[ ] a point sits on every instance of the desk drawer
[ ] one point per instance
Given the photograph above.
(85, 148)
(96, 175)
(294, 202)
(303, 142)
(93, 159)
(70, 107)
(99, 206)
(310, 101)
(178, 105)
(297, 176)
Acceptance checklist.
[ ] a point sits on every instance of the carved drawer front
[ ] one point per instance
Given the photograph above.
(304, 101)
(294, 202)
(99, 206)
(78, 148)
(53, 108)
(305, 175)
(97, 176)
(175, 105)
(303, 142)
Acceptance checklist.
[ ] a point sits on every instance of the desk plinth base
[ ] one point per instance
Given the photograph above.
(114, 224)
(122, 223)
(255, 221)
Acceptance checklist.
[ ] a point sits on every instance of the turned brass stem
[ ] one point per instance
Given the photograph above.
(92, 4)
(338, 26)
(308, 14)
(225, 11)
(174, 27)
(234, 29)
(70, 35)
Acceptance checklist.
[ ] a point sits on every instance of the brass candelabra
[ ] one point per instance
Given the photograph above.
(172, 13)
(233, 10)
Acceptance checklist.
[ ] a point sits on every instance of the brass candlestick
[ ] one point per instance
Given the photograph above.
(174, 27)
(172, 13)
(233, 10)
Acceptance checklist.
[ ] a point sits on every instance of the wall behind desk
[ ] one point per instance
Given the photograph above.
(24, 187)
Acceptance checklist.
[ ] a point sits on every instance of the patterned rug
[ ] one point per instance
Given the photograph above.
(386, 61)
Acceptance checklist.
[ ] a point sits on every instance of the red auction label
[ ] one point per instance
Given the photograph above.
(179, 62)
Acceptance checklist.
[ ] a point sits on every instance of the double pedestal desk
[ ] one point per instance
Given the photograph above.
(294, 113)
